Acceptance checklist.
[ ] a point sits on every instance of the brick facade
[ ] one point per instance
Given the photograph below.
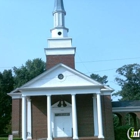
(53, 60)
(16, 116)
(135, 115)
(85, 121)
(39, 117)
(85, 115)
(107, 117)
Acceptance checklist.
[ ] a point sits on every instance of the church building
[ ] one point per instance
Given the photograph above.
(62, 103)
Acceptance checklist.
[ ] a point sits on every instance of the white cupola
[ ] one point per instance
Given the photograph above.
(59, 13)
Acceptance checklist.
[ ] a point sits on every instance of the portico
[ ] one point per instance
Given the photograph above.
(69, 113)
(36, 88)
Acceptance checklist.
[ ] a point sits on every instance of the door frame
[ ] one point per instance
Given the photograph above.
(55, 110)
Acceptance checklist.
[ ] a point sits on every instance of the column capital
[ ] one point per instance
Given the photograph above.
(48, 95)
(23, 95)
(28, 98)
(73, 94)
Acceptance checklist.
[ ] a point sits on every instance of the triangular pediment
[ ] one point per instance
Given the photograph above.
(61, 76)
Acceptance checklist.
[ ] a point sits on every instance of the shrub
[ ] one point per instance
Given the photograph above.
(121, 132)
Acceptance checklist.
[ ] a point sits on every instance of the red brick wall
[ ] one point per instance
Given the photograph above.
(107, 117)
(53, 60)
(16, 116)
(85, 115)
(84, 105)
(124, 121)
(39, 117)
(39, 114)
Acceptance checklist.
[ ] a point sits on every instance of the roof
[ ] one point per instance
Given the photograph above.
(125, 103)
(72, 79)
(126, 106)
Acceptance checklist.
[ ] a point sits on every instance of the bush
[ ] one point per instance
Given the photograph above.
(121, 132)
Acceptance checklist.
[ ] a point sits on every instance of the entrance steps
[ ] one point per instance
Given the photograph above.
(62, 138)
(80, 138)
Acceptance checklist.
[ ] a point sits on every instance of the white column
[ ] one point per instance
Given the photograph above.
(99, 111)
(49, 117)
(24, 129)
(95, 115)
(29, 127)
(74, 117)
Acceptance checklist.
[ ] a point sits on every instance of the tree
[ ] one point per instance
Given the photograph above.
(8, 82)
(6, 85)
(129, 80)
(98, 78)
(29, 71)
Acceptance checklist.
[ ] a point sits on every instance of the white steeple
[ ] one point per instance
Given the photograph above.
(60, 48)
(59, 13)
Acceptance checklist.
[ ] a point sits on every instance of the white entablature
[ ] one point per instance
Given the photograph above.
(61, 79)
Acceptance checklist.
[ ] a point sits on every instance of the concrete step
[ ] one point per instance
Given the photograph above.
(62, 138)
(80, 138)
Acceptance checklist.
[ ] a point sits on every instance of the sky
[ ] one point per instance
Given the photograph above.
(106, 33)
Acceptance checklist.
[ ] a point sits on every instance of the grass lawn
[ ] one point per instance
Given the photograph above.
(6, 138)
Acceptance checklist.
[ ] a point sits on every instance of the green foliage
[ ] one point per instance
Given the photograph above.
(98, 78)
(8, 128)
(121, 132)
(6, 85)
(129, 80)
(28, 72)
(8, 82)
(116, 121)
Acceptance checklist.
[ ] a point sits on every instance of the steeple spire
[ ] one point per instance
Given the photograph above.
(59, 6)
(59, 13)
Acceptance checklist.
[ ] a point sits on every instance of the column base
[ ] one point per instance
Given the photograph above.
(49, 138)
(75, 138)
(29, 138)
(101, 137)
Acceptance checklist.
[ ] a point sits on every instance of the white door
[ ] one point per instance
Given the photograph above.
(63, 125)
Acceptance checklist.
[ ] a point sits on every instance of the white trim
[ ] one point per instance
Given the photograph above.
(105, 92)
(56, 38)
(59, 42)
(24, 126)
(95, 83)
(107, 89)
(74, 117)
(59, 91)
(55, 109)
(49, 117)
(100, 124)
(15, 95)
(126, 109)
(60, 51)
(29, 120)
(95, 117)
